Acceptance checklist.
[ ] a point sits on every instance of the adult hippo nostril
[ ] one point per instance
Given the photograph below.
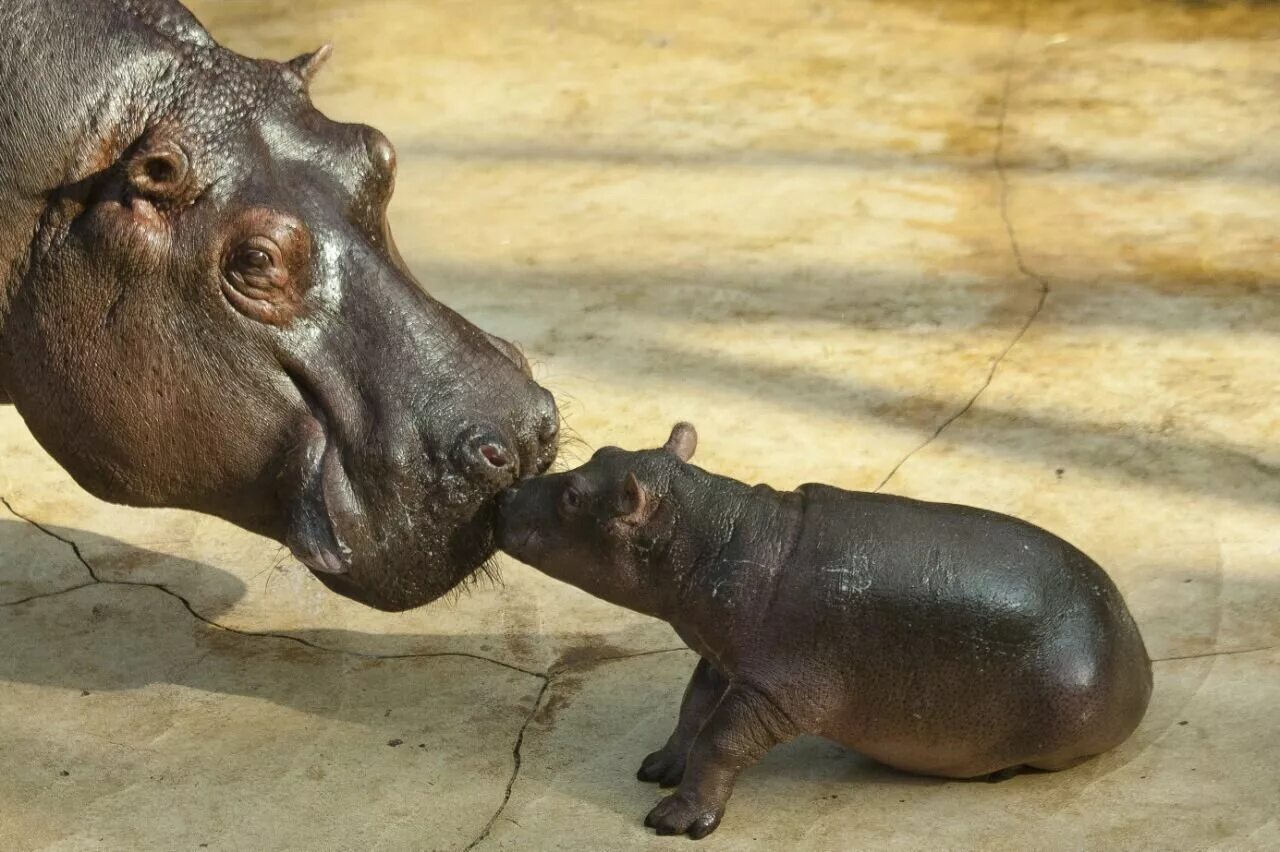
(548, 433)
(494, 455)
(485, 457)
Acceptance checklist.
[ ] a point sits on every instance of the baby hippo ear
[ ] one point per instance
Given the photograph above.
(634, 502)
(683, 441)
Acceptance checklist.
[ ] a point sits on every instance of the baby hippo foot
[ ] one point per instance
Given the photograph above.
(680, 813)
(665, 766)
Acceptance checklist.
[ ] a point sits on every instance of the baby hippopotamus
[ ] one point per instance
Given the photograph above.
(938, 639)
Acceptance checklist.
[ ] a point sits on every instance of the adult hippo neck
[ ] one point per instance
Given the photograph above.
(201, 306)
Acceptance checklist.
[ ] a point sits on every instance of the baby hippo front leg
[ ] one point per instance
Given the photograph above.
(739, 731)
(666, 765)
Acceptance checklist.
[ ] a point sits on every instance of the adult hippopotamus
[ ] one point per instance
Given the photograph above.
(201, 306)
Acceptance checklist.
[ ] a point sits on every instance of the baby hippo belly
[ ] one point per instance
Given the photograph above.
(978, 707)
(955, 642)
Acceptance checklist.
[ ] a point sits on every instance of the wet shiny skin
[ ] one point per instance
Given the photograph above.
(783, 222)
(939, 639)
(203, 306)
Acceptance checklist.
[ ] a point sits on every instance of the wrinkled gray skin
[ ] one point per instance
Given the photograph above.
(201, 305)
(938, 639)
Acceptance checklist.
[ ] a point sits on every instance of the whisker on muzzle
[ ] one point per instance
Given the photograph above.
(486, 574)
(573, 449)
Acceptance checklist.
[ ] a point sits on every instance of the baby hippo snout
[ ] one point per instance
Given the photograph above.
(513, 526)
(505, 500)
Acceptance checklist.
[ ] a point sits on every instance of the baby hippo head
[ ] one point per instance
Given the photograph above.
(601, 525)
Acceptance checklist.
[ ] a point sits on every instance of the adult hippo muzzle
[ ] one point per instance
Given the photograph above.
(202, 306)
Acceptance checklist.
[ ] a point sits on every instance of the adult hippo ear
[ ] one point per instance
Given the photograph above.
(159, 173)
(682, 442)
(201, 306)
(308, 65)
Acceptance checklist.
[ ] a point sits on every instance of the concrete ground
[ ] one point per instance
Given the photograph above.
(1024, 256)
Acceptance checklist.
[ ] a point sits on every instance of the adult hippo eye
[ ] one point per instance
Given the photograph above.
(254, 261)
(260, 274)
(255, 267)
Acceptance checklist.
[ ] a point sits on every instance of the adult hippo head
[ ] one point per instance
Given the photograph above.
(201, 306)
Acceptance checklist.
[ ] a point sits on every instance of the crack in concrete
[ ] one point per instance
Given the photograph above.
(1230, 652)
(1042, 284)
(517, 762)
(97, 580)
(548, 677)
(53, 594)
(75, 548)
(516, 755)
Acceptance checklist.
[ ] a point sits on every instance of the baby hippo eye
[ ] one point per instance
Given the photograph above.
(570, 499)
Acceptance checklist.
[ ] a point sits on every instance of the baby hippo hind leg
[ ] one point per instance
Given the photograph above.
(739, 731)
(1057, 764)
(666, 765)
(1049, 765)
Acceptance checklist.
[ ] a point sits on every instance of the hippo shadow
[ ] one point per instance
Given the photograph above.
(149, 623)
(118, 637)
(100, 639)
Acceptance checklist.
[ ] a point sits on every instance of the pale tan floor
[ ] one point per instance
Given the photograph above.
(819, 231)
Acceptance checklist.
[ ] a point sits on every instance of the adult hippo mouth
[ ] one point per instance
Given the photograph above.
(323, 494)
(452, 523)
(202, 307)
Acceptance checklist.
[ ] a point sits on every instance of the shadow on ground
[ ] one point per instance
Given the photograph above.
(115, 637)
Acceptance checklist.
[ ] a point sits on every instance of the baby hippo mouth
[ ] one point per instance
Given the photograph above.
(514, 533)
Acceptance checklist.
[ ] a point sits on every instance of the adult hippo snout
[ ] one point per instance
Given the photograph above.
(202, 307)
(483, 453)
(411, 423)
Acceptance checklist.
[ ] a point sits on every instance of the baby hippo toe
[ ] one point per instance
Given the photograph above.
(663, 766)
(679, 814)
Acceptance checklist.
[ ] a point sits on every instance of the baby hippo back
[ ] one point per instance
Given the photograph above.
(951, 640)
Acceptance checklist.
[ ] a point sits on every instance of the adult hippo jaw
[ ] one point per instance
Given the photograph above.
(201, 306)
(367, 474)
